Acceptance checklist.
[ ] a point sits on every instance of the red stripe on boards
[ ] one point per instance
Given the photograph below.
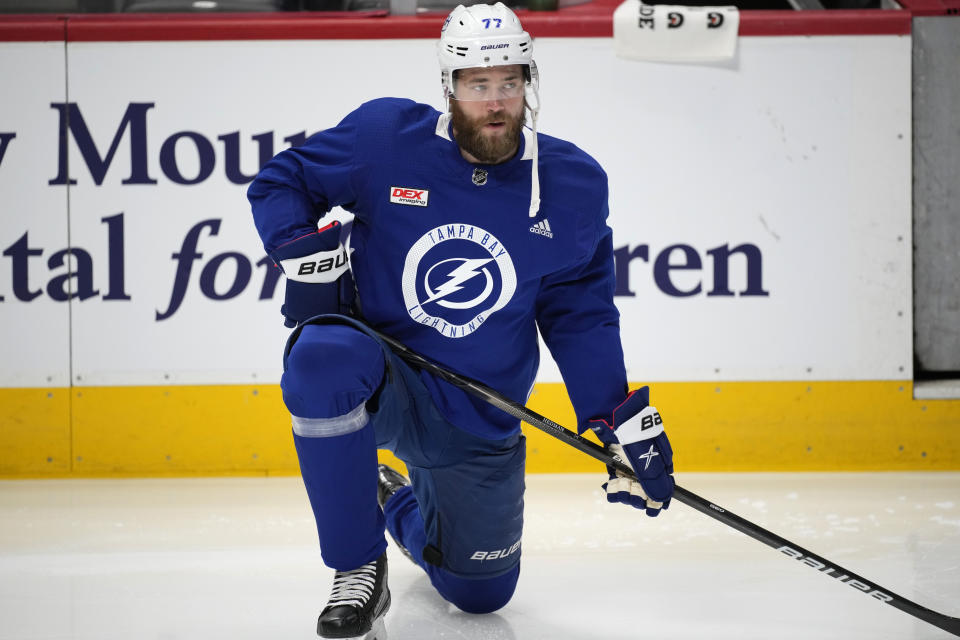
(590, 20)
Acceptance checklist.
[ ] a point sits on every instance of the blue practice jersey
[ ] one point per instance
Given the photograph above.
(447, 259)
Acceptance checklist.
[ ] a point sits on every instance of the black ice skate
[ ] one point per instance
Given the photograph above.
(389, 481)
(358, 603)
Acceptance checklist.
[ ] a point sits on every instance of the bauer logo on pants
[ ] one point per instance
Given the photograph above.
(497, 553)
(455, 277)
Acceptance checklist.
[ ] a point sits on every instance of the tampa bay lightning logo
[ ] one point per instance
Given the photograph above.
(455, 276)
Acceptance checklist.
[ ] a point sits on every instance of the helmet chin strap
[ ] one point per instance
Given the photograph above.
(534, 107)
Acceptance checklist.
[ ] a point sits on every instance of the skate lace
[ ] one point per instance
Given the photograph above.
(353, 588)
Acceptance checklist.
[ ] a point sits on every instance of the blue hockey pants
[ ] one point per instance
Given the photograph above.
(461, 518)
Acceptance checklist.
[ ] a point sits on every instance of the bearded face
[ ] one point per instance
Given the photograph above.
(488, 123)
(490, 135)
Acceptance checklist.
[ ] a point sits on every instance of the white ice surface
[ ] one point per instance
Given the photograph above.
(236, 558)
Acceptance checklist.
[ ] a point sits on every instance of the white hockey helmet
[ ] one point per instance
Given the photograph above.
(484, 35)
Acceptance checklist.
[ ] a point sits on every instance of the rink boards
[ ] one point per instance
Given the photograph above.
(760, 206)
(244, 430)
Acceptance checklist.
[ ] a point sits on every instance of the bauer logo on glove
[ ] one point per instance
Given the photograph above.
(635, 434)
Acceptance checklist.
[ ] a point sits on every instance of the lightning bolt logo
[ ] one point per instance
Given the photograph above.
(468, 269)
(451, 293)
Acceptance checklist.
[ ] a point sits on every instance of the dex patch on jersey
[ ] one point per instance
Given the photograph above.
(455, 277)
(406, 195)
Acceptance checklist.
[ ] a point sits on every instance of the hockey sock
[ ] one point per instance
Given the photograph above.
(340, 475)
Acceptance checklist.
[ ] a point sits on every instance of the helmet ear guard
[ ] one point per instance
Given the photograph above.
(533, 76)
(533, 87)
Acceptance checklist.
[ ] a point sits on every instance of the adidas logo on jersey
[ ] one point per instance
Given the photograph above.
(543, 228)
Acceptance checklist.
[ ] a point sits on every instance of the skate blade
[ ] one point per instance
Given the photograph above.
(377, 632)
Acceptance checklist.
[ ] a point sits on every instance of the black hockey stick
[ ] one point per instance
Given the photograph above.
(784, 546)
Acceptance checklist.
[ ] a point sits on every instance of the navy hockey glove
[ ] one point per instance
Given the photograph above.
(635, 434)
(318, 275)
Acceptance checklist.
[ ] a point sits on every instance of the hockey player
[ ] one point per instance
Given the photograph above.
(471, 232)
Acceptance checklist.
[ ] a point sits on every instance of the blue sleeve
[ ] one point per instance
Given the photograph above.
(298, 186)
(581, 326)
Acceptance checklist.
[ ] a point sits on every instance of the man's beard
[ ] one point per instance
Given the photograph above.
(487, 149)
